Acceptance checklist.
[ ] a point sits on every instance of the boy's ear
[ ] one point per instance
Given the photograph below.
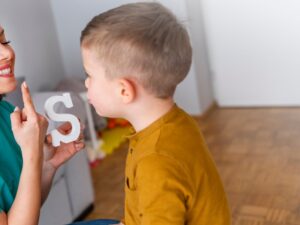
(127, 90)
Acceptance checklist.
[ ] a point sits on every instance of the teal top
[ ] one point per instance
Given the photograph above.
(10, 159)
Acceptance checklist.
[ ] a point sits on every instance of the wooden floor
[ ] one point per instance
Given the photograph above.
(257, 152)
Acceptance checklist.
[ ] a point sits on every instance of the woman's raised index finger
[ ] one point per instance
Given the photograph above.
(28, 104)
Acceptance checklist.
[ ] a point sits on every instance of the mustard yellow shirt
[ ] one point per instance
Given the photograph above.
(171, 178)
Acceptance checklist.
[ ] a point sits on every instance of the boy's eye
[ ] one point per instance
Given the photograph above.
(5, 43)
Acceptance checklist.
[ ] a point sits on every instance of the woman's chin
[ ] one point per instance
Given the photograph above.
(7, 86)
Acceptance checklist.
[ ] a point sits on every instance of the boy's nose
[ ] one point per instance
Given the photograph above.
(86, 82)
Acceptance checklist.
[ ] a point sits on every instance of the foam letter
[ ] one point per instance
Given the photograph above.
(57, 137)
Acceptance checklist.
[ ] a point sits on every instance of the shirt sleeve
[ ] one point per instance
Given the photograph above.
(162, 191)
(8, 106)
(1, 195)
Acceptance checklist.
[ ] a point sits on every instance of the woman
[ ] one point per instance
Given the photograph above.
(26, 173)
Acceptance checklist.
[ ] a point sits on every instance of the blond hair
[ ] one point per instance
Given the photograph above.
(143, 41)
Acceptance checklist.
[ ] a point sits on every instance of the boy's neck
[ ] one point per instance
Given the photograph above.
(148, 112)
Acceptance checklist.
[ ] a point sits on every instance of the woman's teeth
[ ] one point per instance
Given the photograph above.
(5, 71)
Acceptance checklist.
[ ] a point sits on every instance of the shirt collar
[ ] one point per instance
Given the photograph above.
(136, 136)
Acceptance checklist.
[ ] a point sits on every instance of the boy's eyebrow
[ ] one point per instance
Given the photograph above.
(1, 32)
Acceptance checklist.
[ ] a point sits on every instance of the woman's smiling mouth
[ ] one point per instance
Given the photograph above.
(5, 71)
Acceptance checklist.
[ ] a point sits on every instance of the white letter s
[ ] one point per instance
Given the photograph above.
(57, 137)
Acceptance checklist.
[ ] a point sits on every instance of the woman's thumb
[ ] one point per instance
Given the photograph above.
(16, 119)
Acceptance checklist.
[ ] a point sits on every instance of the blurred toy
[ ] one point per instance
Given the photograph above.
(112, 123)
(114, 134)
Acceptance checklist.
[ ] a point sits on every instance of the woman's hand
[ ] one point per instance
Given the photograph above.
(29, 128)
(56, 156)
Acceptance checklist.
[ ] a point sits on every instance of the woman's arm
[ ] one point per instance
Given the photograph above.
(54, 157)
(26, 206)
(29, 130)
(48, 173)
(3, 218)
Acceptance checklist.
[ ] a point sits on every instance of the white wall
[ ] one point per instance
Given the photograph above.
(200, 52)
(70, 24)
(254, 51)
(71, 16)
(30, 26)
(187, 94)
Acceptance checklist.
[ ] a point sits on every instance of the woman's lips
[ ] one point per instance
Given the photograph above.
(5, 71)
(3, 67)
(7, 76)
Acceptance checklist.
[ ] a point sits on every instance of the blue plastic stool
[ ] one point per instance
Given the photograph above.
(97, 222)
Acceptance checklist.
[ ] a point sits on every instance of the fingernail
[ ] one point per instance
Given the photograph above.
(16, 109)
(25, 85)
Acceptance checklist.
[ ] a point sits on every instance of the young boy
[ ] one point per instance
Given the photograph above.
(135, 56)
